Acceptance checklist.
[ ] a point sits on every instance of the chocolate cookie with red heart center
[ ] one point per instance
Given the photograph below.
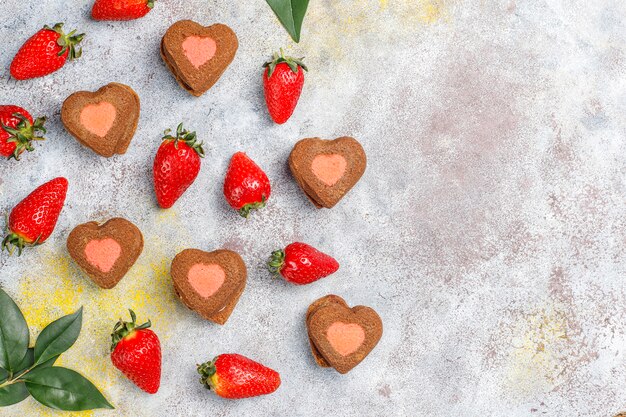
(209, 283)
(340, 335)
(105, 251)
(105, 121)
(198, 55)
(327, 169)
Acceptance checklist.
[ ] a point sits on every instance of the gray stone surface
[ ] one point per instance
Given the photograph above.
(489, 230)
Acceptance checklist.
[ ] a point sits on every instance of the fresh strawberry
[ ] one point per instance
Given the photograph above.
(302, 264)
(282, 81)
(234, 376)
(18, 130)
(45, 52)
(32, 221)
(176, 165)
(136, 351)
(246, 186)
(121, 9)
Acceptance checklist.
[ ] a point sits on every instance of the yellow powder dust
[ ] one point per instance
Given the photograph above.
(432, 11)
(421, 12)
(30, 407)
(540, 353)
(331, 28)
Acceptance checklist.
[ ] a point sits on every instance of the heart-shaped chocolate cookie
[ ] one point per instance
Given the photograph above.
(198, 55)
(327, 169)
(104, 121)
(210, 283)
(341, 335)
(105, 252)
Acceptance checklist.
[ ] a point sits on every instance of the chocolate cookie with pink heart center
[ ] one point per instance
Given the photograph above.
(198, 55)
(327, 169)
(105, 251)
(105, 121)
(209, 283)
(341, 336)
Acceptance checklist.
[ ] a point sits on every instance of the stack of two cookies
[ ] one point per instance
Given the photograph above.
(340, 336)
(209, 283)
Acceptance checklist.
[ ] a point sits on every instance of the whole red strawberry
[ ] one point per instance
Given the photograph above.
(302, 264)
(176, 165)
(18, 130)
(282, 81)
(246, 186)
(32, 221)
(45, 52)
(234, 376)
(136, 351)
(121, 9)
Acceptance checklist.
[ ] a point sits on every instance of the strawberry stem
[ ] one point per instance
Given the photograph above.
(182, 135)
(247, 208)
(276, 261)
(14, 240)
(67, 42)
(293, 63)
(206, 371)
(124, 328)
(24, 133)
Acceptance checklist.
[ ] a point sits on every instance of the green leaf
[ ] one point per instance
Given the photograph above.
(291, 14)
(4, 374)
(58, 337)
(64, 389)
(13, 394)
(14, 334)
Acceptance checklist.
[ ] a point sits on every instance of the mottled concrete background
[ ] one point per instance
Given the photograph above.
(489, 230)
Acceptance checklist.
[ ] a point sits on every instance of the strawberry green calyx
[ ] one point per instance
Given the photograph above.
(182, 135)
(14, 240)
(24, 133)
(247, 208)
(293, 63)
(276, 261)
(124, 328)
(150, 4)
(206, 371)
(67, 42)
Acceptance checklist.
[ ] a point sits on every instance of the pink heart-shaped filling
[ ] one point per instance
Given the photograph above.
(103, 253)
(199, 50)
(206, 279)
(345, 338)
(329, 168)
(98, 118)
